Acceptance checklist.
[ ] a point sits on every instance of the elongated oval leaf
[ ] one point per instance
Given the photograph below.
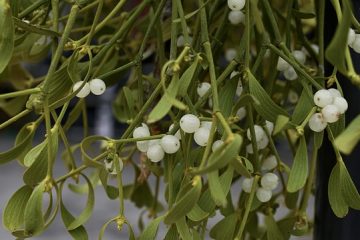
(187, 77)
(336, 198)
(225, 228)
(299, 169)
(13, 215)
(216, 189)
(197, 214)
(273, 231)
(349, 191)
(183, 229)
(349, 138)
(151, 230)
(33, 216)
(6, 34)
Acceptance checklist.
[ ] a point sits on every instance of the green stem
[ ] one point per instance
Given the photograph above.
(212, 73)
(120, 185)
(15, 118)
(209, 144)
(183, 22)
(256, 162)
(247, 34)
(95, 22)
(20, 93)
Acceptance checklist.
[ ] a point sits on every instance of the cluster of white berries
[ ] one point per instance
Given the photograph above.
(288, 71)
(155, 149)
(353, 40)
(262, 139)
(236, 16)
(332, 105)
(96, 86)
(269, 181)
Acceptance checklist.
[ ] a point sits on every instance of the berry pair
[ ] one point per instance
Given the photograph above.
(96, 86)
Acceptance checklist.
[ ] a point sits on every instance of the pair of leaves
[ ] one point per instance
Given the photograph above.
(342, 191)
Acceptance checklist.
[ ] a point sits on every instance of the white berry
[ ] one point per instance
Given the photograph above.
(97, 86)
(290, 74)
(330, 113)
(155, 153)
(203, 88)
(356, 44)
(341, 104)
(334, 92)
(216, 145)
(230, 54)
(299, 56)
(84, 91)
(239, 88)
(241, 113)
(110, 166)
(269, 163)
(141, 132)
(315, 47)
(317, 122)
(351, 36)
(142, 146)
(269, 126)
(282, 65)
(322, 98)
(269, 181)
(170, 144)
(234, 73)
(206, 124)
(236, 17)
(249, 149)
(201, 136)
(177, 134)
(263, 142)
(246, 184)
(189, 123)
(236, 5)
(293, 97)
(259, 133)
(263, 194)
(180, 41)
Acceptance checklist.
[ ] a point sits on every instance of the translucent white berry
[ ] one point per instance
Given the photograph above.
(180, 41)
(241, 113)
(317, 123)
(203, 88)
(234, 73)
(236, 5)
(170, 144)
(97, 86)
(154, 142)
(341, 104)
(351, 36)
(290, 74)
(189, 123)
(206, 124)
(269, 126)
(259, 133)
(263, 194)
(201, 136)
(299, 56)
(110, 166)
(141, 132)
(315, 47)
(230, 54)
(334, 92)
(249, 148)
(84, 91)
(356, 44)
(246, 184)
(331, 113)
(269, 163)
(155, 153)
(269, 181)
(216, 145)
(282, 65)
(293, 97)
(263, 142)
(322, 98)
(236, 17)
(142, 146)
(177, 134)
(239, 88)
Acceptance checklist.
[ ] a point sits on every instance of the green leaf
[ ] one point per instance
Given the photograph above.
(280, 123)
(13, 215)
(188, 197)
(86, 213)
(335, 52)
(187, 77)
(33, 216)
(164, 105)
(224, 229)
(34, 153)
(227, 96)
(216, 189)
(336, 198)
(318, 139)
(338, 127)
(172, 233)
(22, 144)
(273, 232)
(240, 167)
(197, 214)
(349, 138)
(183, 228)
(291, 199)
(6, 34)
(267, 108)
(151, 230)
(222, 156)
(299, 169)
(349, 191)
(303, 15)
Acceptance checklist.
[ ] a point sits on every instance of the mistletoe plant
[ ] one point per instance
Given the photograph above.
(228, 80)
